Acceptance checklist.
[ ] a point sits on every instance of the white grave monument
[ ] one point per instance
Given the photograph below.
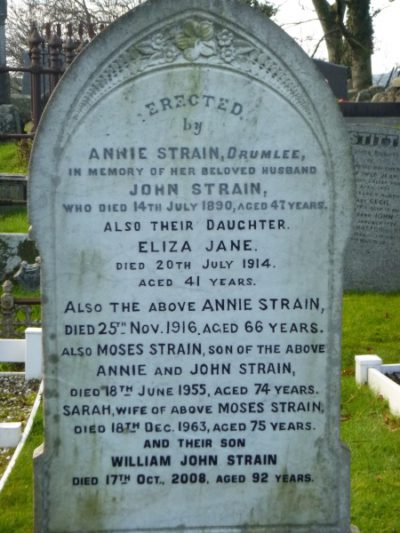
(190, 192)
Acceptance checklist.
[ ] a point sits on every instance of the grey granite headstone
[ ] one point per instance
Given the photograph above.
(373, 255)
(190, 191)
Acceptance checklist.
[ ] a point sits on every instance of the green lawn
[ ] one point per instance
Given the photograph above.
(373, 436)
(371, 324)
(13, 160)
(16, 500)
(14, 157)
(14, 220)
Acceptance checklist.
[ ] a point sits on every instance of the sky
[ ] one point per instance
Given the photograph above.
(308, 34)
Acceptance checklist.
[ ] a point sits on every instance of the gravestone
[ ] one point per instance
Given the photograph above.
(190, 191)
(12, 189)
(372, 258)
(335, 75)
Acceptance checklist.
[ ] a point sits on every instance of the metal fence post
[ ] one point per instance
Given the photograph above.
(54, 47)
(35, 41)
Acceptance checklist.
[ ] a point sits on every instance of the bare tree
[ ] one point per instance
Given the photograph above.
(348, 33)
(26, 13)
(88, 12)
(347, 25)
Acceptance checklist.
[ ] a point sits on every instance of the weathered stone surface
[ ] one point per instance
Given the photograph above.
(372, 258)
(190, 192)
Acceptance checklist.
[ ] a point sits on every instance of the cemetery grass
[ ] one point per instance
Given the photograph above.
(371, 324)
(17, 397)
(13, 158)
(16, 500)
(373, 436)
(14, 220)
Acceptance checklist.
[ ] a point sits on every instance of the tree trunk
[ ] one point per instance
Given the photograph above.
(328, 18)
(361, 70)
(351, 43)
(360, 39)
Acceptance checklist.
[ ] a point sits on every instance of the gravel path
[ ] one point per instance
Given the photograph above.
(16, 399)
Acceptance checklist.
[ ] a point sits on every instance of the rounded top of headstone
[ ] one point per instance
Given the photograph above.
(193, 33)
(195, 37)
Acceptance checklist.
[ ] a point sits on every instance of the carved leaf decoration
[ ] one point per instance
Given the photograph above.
(192, 32)
(189, 27)
(207, 49)
(192, 53)
(184, 41)
(146, 48)
(189, 40)
(243, 47)
(206, 30)
(199, 49)
(157, 55)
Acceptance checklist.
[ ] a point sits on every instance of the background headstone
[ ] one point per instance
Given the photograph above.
(335, 75)
(372, 259)
(190, 192)
(12, 189)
